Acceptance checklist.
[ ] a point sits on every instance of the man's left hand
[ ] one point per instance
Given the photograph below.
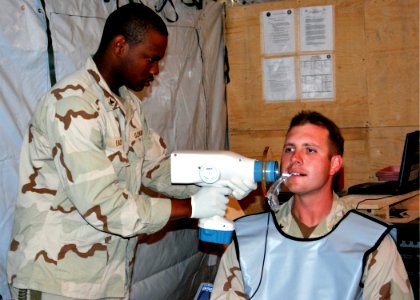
(241, 188)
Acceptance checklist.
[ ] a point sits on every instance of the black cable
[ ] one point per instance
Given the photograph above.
(265, 252)
(22, 294)
(357, 206)
(51, 61)
(196, 3)
(160, 8)
(388, 196)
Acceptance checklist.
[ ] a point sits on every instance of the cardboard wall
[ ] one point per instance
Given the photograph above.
(376, 80)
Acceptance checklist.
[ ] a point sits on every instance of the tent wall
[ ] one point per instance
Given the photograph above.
(185, 105)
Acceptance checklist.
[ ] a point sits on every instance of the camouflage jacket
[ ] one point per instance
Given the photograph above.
(84, 160)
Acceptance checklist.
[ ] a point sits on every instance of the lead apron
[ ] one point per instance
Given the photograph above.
(328, 267)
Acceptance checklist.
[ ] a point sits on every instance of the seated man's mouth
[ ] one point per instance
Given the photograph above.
(297, 174)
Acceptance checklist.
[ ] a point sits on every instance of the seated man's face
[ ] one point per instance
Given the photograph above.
(306, 152)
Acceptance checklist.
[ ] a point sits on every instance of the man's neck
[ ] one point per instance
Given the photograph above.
(312, 209)
(304, 229)
(104, 67)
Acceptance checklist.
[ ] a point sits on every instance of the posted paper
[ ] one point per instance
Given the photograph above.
(278, 31)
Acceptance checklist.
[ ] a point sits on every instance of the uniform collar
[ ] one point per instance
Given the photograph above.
(111, 100)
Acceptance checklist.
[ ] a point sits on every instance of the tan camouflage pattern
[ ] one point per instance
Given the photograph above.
(384, 276)
(85, 159)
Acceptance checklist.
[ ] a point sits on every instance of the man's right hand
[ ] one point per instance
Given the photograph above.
(210, 201)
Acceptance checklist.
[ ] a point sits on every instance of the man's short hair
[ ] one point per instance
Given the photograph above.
(315, 118)
(132, 21)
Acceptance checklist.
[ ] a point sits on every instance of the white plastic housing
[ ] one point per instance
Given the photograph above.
(209, 167)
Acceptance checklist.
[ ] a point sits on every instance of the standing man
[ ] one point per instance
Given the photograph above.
(313, 247)
(85, 159)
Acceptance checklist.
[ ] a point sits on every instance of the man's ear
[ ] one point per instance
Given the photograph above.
(119, 45)
(335, 164)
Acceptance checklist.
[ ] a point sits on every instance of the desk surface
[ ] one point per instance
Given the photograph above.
(381, 204)
(377, 201)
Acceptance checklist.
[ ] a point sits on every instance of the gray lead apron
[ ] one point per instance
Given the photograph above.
(276, 266)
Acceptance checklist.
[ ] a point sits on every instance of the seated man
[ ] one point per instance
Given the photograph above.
(313, 247)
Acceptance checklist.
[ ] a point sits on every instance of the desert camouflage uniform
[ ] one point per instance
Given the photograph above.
(384, 277)
(85, 158)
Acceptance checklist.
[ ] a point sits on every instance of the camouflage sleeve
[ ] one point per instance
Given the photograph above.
(156, 166)
(228, 283)
(385, 276)
(90, 177)
(160, 180)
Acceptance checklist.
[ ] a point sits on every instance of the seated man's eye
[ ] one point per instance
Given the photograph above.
(288, 149)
